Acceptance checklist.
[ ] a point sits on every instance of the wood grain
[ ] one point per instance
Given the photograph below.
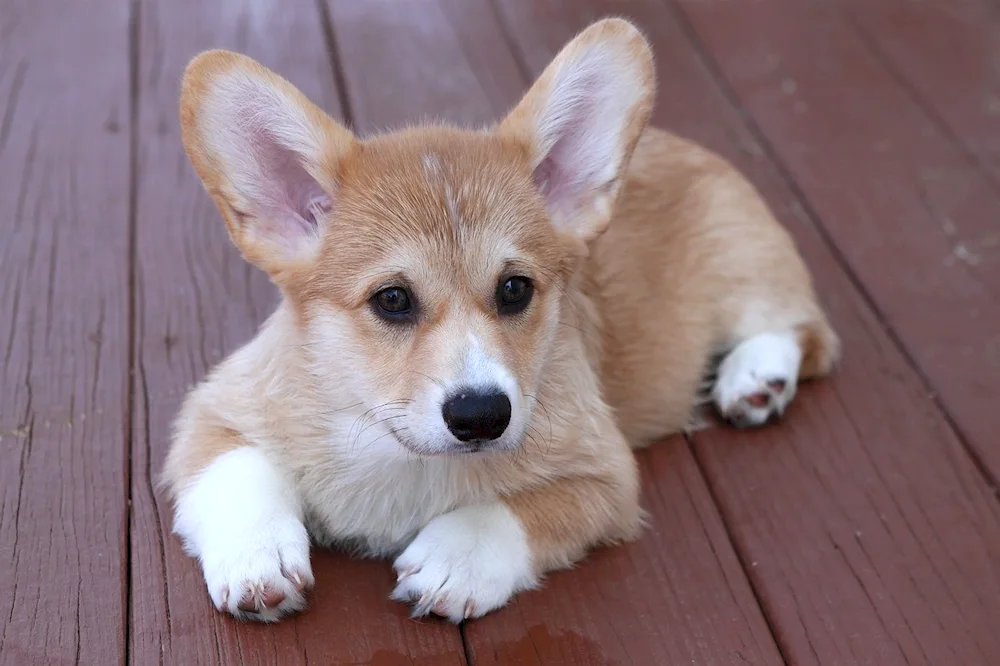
(407, 62)
(943, 54)
(911, 216)
(679, 594)
(64, 295)
(197, 301)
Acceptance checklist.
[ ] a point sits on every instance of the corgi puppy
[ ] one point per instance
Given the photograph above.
(476, 329)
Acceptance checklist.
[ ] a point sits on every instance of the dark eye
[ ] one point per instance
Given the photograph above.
(393, 302)
(514, 294)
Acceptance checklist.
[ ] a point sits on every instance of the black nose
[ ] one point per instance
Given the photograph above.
(471, 416)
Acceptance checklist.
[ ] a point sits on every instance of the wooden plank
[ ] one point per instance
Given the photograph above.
(868, 533)
(198, 301)
(676, 596)
(422, 60)
(943, 53)
(64, 179)
(911, 216)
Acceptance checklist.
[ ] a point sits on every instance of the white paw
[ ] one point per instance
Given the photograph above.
(465, 563)
(241, 518)
(757, 379)
(261, 576)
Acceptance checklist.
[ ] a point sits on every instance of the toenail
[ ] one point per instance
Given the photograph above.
(247, 603)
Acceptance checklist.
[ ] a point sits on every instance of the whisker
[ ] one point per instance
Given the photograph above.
(371, 414)
(379, 422)
(572, 422)
(389, 431)
(548, 441)
(436, 381)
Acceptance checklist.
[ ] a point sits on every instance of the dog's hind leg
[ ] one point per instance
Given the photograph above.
(758, 377)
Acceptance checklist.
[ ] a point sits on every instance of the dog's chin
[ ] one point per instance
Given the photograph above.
(457, 449)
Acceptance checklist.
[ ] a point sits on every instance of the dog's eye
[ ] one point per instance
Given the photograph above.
(514, 294)
(393, 301)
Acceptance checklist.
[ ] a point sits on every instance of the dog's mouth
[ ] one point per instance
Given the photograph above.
(472, 448)
(479, 446)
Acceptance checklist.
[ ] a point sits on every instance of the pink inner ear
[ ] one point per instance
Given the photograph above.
(287, 202)
(574, 164)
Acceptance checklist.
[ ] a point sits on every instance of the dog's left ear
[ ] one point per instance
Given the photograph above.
(580, 122)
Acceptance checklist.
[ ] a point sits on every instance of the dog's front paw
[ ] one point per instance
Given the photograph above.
(465, 563)
(263, 577)
(253, 547)
(757, 379)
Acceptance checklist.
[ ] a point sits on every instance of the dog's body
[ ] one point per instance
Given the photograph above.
(583, 342)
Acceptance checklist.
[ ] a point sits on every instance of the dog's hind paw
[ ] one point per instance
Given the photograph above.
(757, 379)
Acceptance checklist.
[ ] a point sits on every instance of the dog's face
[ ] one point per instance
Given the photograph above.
(427, 267)
(436, 293)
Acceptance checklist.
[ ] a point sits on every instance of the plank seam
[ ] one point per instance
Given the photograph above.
(133, 194)
(333, 53)
(466, 645)
(816, 221)
(517, 55)
(7, 119)
(771, 626)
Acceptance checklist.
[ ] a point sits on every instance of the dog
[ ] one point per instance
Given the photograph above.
(477, 328)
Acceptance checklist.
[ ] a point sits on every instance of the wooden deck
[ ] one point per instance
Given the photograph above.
(863, 530)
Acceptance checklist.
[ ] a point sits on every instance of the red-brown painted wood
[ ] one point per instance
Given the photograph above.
(407, 62)
(943, 53)
(64, 294)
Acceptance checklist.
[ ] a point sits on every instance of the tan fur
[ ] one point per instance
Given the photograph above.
(717, 249)
(611, 354)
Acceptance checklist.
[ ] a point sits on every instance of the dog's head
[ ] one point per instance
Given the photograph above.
(427, 267)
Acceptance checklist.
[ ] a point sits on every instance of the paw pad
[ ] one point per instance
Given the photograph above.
(260, 598)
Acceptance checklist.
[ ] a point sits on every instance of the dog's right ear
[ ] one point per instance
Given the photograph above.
(269, 157)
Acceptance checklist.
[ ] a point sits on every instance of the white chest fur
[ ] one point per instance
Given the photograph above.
(375, 497)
